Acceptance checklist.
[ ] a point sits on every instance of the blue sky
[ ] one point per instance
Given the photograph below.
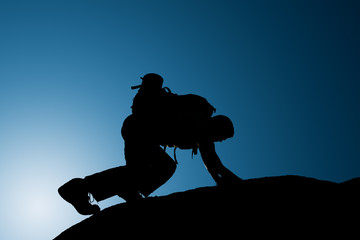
(286, 72)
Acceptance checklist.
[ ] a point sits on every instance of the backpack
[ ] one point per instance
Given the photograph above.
(168, 110)
(165, 102)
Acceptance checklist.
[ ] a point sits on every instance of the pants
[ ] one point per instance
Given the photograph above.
(148, 167)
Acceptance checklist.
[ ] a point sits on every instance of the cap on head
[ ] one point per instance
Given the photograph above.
(150, 81)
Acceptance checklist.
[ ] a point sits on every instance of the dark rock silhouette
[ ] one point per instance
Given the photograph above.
(287, 206)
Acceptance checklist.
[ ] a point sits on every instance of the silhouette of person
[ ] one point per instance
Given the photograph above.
(159, 118)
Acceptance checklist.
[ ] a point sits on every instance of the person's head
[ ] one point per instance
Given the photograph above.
(151, 83)
(220, 128)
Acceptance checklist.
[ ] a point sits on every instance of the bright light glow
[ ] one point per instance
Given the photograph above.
(31, 207)
(37, 208)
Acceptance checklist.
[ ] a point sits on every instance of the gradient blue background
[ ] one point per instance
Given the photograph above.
(286, 72)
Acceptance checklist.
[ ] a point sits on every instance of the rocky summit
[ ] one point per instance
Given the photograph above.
(285, 206)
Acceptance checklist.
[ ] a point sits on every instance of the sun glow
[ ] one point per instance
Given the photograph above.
(33, 209)
(31, 206)
(37, 207)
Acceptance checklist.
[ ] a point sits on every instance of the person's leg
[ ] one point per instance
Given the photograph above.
(160, 169)
(115, 181)
(153, 165)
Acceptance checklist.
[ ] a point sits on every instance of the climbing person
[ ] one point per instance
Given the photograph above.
(159, 119)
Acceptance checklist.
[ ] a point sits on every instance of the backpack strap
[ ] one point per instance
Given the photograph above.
(194, 152)
(175, 147)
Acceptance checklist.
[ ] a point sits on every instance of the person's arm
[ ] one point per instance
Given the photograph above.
(217, 170)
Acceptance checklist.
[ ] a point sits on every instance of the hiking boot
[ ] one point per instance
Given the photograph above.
(76, 193)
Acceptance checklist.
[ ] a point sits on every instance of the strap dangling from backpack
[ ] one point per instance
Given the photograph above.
(194, 152)
(165, 146)
(175, 147)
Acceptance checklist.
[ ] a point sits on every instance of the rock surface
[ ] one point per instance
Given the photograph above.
(285, 206)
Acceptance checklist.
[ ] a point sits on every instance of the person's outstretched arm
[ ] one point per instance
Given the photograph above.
(217, 170)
